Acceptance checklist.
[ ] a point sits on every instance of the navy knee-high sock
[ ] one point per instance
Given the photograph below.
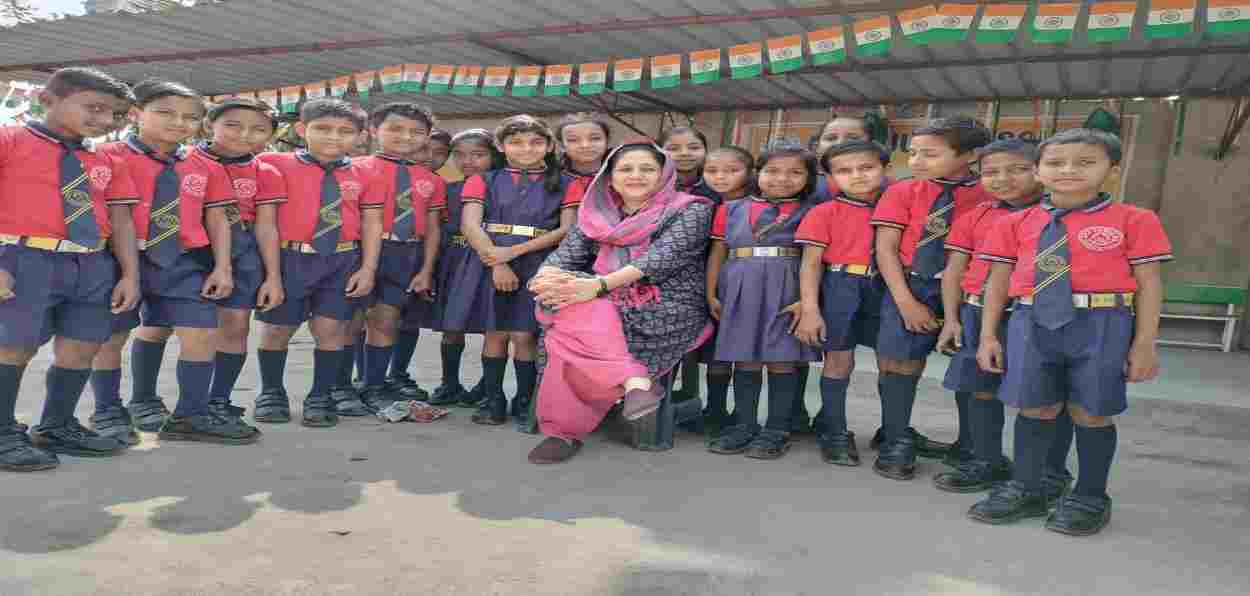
(962, 400)
(145, 368)
(493, 370)
(450, 356)
(799, 412)
(226, 369)
(360, 359)
(1095, 450)
(344, 366)
(377, 359)
(986, 418)
(526, 379)
(718, 393)
(401, 354)
(65, 387)
(747, 386)
(898, 396)
(1032, 442)
(10, 383)
(781, 388)
(1057, 460)
(690, 375)
(833, 404)
(106, 386)
(194, 380)
(327, 370)
(272, 369)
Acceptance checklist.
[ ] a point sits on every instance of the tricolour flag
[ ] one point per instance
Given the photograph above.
(872, 36)
(704, 66)
(745, 61)
(785, 53)
(1000, 22)
(557, 78)
(953, 23)
(364, 82)
(918, 24)
(269, 97)
(627, 74)
(290, 98)
(1054, 23)
(592, 78)
(1170, 18)
(827, 46)
(665, 71)
(1225, 17)
(393, 79)
(340, 85)
(525, 83)
(1111, 21)
(466, 80)
(495, 79)
(414, 75)
(315, 90)
(439, 79)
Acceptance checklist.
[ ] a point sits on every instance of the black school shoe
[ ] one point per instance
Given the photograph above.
(18, 455)
(115, 422)
(1008, 502)
(273, 407)
(473, 397)
(734, 440)
(1080, 515)
(207, 428)
(76, 440)
(376, 399)
(973, 476)
(319, 412)
(769, 444)
(406, 389)
(148, 414)
(1055, 484)
(925, 447)
(714, 423)
(492, 411)
(447, 395)
(839, 449)
(347, 401)
(897, 460)
(958, 455)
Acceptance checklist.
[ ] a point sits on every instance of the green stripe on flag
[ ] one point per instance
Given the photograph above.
(492, 91)
(780, 66)
(555, 90)
(707, 76)
(524, 91)
(746, 72)
(876, 48)
(590, 88)
(834, 57)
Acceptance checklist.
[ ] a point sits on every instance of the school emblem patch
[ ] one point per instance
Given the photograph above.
(1100, 238)
(194, 185)
(232, 214)
(936, 225)
(78, 197)
(1052, 263)
(100, 177)
(423, 188)
(332, 217)
(350, 190)
(166, 221)
(245, 188)
(404, 201)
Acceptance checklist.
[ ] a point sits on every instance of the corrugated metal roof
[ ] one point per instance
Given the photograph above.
(1193, 65)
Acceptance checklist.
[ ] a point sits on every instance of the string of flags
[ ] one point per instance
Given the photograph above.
(1107, 21)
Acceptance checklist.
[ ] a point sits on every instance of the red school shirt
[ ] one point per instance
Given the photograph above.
(30, 183)
(905, 206)
(298, 216)
(429, 191)
(474, 190)
(202, 184)
(842, 227)
(255, 183)
(969, 236)
(720, 222)
(1105, 241)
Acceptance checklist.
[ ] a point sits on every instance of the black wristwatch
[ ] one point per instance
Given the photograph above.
(603, 287)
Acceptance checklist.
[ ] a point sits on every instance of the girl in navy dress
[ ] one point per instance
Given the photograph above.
(755, 295)
(512, 218)
(584, 138)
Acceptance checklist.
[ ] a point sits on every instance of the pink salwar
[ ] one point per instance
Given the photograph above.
(588, 360)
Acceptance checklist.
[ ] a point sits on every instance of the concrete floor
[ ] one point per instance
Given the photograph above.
(452, 508)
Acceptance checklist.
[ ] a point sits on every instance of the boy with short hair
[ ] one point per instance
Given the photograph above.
(840, 290)
(61, 204)
(331, 234)
(1084, 271)
(912, 220)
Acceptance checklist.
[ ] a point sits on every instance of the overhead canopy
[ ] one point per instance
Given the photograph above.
(247, 45)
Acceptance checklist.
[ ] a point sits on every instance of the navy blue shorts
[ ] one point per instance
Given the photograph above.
(397, 264)
(171, 297)
(57, 294)
(963, 374)
(894, 340)
(851, 307)
(1084, 361)
(315, 285)
(249, 272)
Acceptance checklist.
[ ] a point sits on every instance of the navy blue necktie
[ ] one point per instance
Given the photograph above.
(330, 216)
(930, 257)
(1052, 267)
(164, 219)
(76, 207)
(402, 225)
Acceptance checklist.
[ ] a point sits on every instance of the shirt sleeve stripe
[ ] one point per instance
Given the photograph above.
(811, 242)
(996, 259)
(1151, 259)
(273, 201)
(225, 203)
(122, 202)
(571, 205)
(372, 205)
(887, 224)
(715, 237)
(958, 249)
(472, 200)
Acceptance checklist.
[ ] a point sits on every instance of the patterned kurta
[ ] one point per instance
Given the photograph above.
(660, 331)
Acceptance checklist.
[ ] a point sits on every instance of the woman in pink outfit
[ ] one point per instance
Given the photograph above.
(621, 300)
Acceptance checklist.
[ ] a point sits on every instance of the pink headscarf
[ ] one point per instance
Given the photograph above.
(622, 238)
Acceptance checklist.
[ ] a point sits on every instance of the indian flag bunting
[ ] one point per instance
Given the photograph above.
(872, 36)
(704, 66)
(557, 79)
(392, 79)
(340, 85)
(745, 61)
(466, 80)
(918, 24)
(785, 53)
(665, 71)
(364, 82)
(1170, 18)
(270, 97)
(315, 90)
(1226, 17)
(1000, 22)
(827, 46)
(495, 79)
(953, 22)
(1054, 23)
(414, 75)
(439, 79)
(525, 83)
(290, 98)
(627, 75)
(1112, 21)
(592, 78)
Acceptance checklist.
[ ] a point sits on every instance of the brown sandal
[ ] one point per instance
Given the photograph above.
(554, 450)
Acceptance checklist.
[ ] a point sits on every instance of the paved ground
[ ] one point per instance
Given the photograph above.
(451, 508)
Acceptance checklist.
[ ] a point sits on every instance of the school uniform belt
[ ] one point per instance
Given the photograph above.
(909, 271)
(51, 244)
(1114, 300)
(394, 238)
(307, 248)
(511, 230)
(458, 240)
(765, 251)
(974, 299)
(851, 269)
(243, 225)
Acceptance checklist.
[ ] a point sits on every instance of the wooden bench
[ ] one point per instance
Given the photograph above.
(1187, 302)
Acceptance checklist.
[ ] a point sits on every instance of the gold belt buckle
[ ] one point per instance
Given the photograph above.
(42, 243)
(344, 247)
(458, 240)
(766, 251)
